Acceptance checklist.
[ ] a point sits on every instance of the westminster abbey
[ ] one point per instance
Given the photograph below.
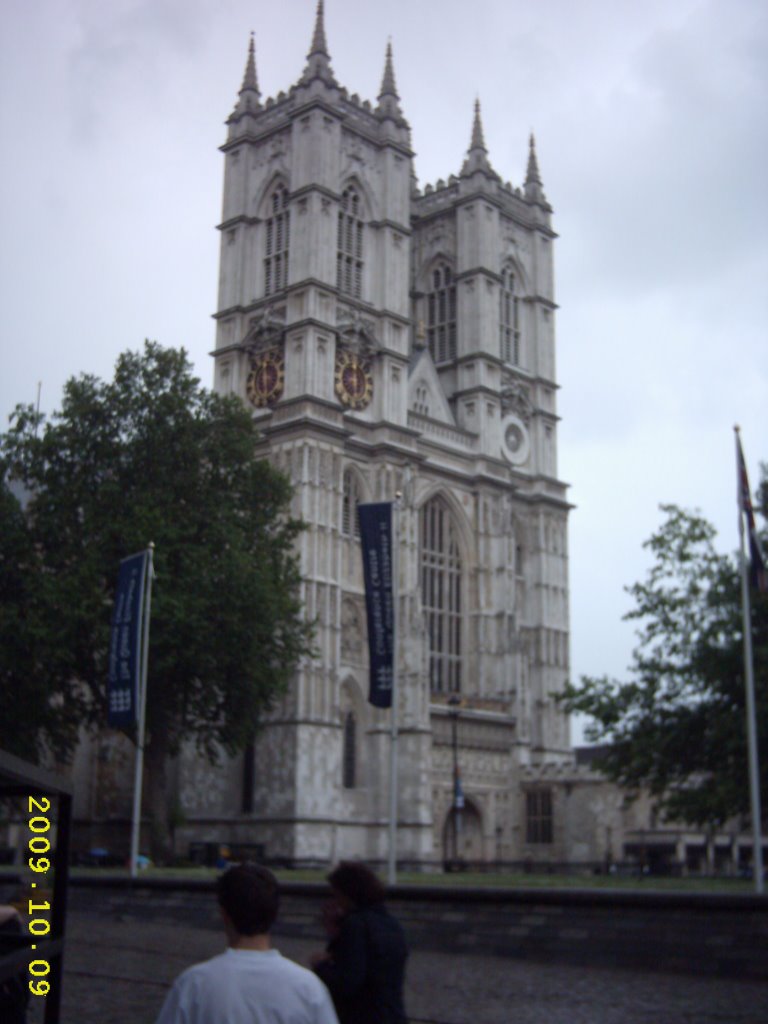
(392, 339)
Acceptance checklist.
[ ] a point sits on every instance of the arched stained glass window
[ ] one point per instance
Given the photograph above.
(277, 242)
(441, 595)
(441, 315)
(349, 256)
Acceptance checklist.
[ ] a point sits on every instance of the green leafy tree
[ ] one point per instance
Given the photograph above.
(149, 456)
(678, 727)
(32, 704)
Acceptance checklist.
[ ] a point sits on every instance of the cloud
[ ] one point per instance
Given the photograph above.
(658, 171)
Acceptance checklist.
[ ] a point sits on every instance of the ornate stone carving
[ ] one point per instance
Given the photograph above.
(355, 152)
(441, 237)
(515, 398)
(357, 333)
(265, 330)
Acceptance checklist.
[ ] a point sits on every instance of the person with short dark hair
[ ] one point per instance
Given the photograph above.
(250, 983)
(364, 962)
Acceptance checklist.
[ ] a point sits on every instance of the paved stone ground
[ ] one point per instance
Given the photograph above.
(117, 972)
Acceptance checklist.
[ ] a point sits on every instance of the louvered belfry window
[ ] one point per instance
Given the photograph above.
(441, 315)
(441, 595)
(350, 499)
(509, 318)
(277, 243)
(349, 256)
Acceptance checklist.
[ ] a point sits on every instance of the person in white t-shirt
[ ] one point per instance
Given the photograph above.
(250, 983)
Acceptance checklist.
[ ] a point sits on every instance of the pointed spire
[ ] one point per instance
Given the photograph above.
(389, 101)
(388, 87)
(477, 155)
(318, 58)
(478, 140)
(319, 45)
(532, 174)
(249, 78)
(533, 187)
(248, 99)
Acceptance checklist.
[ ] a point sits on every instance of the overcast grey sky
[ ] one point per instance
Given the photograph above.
(651, 123)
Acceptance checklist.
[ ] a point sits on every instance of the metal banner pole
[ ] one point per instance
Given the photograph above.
(392, 866)
(137, 786)
(749, 683)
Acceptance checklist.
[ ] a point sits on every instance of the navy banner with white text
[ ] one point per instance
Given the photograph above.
(125, 643)
(376, 539)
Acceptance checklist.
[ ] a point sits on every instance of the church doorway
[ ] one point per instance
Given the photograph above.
(463, 835)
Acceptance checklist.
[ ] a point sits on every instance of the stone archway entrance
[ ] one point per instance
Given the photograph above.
(468, 836)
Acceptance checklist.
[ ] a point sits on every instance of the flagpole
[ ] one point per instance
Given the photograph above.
(137, 785)
(749, 682)
(392, 865)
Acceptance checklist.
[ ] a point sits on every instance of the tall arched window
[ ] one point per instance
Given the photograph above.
(350, 499)
(349, 753)
(349, 256)
(441, 315)
(509, 318)
(277, 242)
(441, 595)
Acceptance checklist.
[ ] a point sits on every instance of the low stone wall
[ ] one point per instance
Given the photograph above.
(690, 933)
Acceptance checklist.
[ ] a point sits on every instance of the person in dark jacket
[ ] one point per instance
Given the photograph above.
(14, 994)
(364, 962)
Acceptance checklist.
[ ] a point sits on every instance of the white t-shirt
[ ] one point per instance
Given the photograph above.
(244, 986)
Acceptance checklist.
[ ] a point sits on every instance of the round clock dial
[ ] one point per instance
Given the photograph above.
(266, 380)
(515, 441)
(354, 381)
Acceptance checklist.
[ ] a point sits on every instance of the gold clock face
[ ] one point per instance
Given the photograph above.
(265, 383)
(353, 381)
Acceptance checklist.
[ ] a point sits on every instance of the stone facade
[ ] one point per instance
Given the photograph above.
(393, 340)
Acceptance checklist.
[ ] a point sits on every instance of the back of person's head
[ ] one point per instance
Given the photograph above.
(358, 883)
(249, 894)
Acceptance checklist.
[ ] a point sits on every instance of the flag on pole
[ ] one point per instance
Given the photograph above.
(376, 540)
(758, 575)
(125, 643)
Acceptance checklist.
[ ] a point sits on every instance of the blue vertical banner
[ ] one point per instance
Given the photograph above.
(376, 540)
(125, 643)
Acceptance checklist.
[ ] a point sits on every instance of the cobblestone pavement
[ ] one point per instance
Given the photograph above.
(117, 972)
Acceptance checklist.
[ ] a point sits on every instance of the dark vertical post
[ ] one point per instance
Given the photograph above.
(454, 702)
(249, 780)
(59, 911)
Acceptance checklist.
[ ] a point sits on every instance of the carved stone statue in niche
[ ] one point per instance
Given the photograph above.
(357, 333)
(515, 398)
(265, 330)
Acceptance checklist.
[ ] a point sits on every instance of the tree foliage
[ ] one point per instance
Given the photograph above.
(149, 456)
(33, 703)
(678, 726)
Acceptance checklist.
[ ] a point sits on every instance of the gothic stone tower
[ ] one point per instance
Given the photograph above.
(392, 340)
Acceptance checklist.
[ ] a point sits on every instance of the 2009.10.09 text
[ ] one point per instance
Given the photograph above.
(38, 926)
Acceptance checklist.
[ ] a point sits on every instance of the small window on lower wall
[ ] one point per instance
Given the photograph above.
(538, 816)
(349, 755)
